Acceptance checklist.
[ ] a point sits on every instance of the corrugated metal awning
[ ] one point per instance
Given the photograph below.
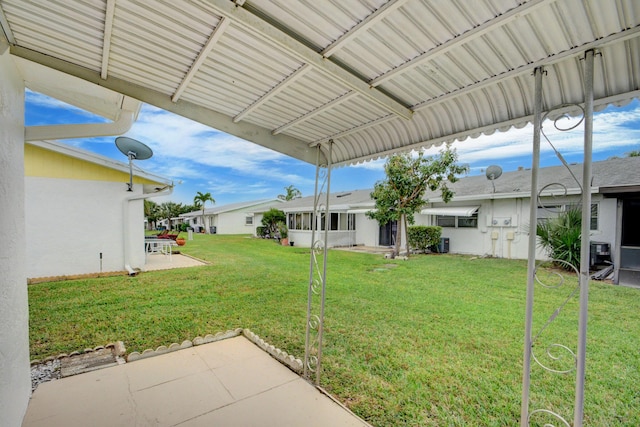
(375, 77)
(451, 211)
(360, 211)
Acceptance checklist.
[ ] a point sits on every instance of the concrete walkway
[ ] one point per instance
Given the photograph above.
(226, 383)
(163, 262)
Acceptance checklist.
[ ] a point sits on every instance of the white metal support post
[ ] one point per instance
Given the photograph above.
(531, 263)
(585, 242)
(317, 271)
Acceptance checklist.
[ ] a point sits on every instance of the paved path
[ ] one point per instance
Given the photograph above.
(162, 262)
(226, 383)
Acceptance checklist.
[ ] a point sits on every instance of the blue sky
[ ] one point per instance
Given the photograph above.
(199, 158)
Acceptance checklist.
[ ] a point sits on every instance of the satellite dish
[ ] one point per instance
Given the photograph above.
(133, 150)
(493, 172)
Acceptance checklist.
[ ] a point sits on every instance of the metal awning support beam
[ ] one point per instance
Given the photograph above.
(525, 68)
(479, 31)
(531, 260)
(106, 43)
(217, 32)
(268, 31)
(585, 241)
(363, 25)
(313, 113)
(282, 143)
(273, 92)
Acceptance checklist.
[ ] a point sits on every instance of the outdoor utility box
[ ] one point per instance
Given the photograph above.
(442, 247)
(213, 229)
(599, 253)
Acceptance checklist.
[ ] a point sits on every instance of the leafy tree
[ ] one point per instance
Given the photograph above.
(169, 210)
(271, 220)
(400, 195)
(561, 236)
(291, 193)
(151, 212)
(201, 200)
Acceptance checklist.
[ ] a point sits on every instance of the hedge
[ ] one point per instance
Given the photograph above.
(422, 237)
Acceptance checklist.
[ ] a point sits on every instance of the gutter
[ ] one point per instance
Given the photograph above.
(165, 191)
(85, 130)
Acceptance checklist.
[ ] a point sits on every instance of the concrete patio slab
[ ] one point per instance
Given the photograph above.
(225, 383)
(164, 262)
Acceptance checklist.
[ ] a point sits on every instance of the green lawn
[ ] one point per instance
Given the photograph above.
(435, 341)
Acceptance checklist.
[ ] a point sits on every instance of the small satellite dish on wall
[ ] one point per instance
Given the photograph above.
(493, 172)
(133, 150)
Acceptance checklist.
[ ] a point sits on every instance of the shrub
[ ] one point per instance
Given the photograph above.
(422, 237)
(261, 231)
(283, 231)
(561, 236)
(271, 218)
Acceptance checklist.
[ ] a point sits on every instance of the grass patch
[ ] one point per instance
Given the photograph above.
(433, 341)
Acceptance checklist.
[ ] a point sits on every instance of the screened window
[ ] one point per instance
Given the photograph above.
(468, 221)
(457, 221)
(337, 221)
(248, 220)
(594, 217)
(446, 220)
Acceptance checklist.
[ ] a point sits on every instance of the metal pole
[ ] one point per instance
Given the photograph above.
(307, 345)
(327, 224)
(585, 242)
(531, 264)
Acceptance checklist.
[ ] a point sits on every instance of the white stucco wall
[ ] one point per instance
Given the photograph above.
(367, 231)
(233, 223)
(511, 240)
(71, 222)
(15, 384)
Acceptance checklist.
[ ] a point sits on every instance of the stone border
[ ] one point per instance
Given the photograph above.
(163, 349)
(117, 348)
(281, 356)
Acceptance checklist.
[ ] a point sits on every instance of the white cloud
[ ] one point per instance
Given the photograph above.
(176, 137)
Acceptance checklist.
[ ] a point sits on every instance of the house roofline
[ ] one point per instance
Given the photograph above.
(97, 159)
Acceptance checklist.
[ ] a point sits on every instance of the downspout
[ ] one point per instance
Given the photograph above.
(166, 191)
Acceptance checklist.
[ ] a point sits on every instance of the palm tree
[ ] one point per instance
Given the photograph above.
(201, 200)
(292, 193)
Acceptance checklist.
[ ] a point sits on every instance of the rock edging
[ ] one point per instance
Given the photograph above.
(281, 356)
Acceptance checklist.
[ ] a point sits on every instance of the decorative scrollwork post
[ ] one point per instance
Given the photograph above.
(317, 271)
(559, 358)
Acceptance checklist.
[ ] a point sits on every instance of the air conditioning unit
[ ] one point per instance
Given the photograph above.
(599, 253)
(442, 247)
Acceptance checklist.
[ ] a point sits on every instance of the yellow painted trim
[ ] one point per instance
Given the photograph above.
(49, 164)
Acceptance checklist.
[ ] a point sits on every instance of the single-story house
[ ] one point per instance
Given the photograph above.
(491, 217)
(80, 217)
(234, 218)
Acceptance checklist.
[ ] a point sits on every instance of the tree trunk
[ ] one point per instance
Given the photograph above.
(406, 228)
(396, 250)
